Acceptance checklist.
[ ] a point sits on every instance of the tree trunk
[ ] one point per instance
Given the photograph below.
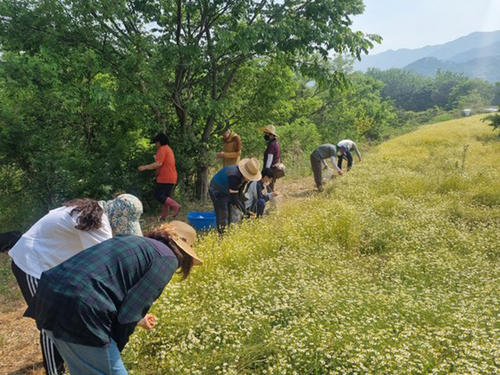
(202, 183)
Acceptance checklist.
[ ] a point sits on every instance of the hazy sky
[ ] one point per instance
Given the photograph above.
(417, 23)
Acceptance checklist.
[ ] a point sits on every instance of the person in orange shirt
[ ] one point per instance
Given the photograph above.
(166, 174)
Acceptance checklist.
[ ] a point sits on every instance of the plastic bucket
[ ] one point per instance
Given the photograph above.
(202, 220)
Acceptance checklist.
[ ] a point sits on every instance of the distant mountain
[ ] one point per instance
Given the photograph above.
(486, 68)
(472, 46)
(476, 53)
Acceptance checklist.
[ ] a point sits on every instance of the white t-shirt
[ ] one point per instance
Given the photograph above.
(53, 239)
(351, 146)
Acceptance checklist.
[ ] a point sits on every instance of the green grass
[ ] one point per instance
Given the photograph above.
(394, 270)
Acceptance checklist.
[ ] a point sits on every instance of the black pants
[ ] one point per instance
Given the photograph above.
(225, 212)
(163, 191)
(52, 360)
(348, 157)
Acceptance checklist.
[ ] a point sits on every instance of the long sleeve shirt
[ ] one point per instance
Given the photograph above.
(327, 151)
(255, 192)
(104, 291)
(232, 150)
(272, 154)
(349, 145)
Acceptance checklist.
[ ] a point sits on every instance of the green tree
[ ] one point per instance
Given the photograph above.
(183, 57)
(407, 89)
(494, 121)
(471, 93)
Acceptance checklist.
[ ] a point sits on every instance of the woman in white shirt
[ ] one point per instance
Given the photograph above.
(62, 233)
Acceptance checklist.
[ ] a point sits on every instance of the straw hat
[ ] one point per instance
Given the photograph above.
(184, 236)
(270, 129)
(250, 169)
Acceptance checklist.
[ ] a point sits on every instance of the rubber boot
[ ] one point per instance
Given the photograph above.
(173, 205)
(165, 210)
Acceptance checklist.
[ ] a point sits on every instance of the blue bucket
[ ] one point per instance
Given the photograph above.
(202, 220)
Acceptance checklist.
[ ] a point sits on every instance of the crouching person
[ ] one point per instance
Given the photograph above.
(90, 304)
(256, 197)
(225, 188)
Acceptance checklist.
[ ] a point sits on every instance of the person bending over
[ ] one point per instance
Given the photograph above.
(90, 304)
(61, 234)
(318, 162)
(347, 146)
(225, 187)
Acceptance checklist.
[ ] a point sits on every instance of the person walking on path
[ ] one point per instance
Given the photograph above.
(166, 175)
(347, 146)
(225, 187)
(272, 154)
(90, 304)
(60, 235)
(232, 148)
(318, 162)
(256, 198)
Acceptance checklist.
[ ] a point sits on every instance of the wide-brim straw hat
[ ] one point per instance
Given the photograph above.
(250, 169)
(270, 129)
(184, 236)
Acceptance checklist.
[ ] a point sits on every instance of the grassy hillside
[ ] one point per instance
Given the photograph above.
(394, 270)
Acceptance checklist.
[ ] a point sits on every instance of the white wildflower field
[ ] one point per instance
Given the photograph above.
(395, 269)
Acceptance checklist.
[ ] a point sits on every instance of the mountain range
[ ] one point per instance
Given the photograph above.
(476, 55)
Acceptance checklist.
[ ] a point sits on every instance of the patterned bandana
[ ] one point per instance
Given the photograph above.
(124, 213)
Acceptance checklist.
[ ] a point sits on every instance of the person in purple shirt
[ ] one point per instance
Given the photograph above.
(273, 152)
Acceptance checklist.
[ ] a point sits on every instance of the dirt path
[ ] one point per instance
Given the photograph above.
(19, 338)
(19, 343)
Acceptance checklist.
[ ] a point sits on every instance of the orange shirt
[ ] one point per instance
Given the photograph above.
(166, 174)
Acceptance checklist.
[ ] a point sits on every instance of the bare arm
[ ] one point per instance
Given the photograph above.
(151, 166)
(332, 159)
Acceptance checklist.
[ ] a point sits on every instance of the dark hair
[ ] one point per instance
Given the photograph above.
(162, 138)
(185, 260)
(267, 172)
(90, 213)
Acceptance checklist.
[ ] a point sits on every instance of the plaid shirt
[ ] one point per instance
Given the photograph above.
(103, 291)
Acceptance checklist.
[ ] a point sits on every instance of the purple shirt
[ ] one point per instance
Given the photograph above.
(274, 149)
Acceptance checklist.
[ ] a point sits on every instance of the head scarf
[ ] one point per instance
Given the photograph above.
(124, 213)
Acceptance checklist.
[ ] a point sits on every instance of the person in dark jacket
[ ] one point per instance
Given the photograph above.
(272, 154)
(225, 187)
(90, 304)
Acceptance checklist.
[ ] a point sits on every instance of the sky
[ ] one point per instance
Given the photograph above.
(418, 23)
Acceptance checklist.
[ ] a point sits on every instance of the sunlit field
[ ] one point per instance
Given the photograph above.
(393, 270)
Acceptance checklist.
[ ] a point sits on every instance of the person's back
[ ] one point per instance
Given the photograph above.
(91, 297)
(53, 239)
(326, 151)
(252, 194)
(220, 182)
(167, 172)
(232, 150)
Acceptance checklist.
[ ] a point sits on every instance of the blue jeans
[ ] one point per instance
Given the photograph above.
(90, 360)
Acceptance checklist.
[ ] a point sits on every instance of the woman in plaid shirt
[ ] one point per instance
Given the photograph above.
(90, 304)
